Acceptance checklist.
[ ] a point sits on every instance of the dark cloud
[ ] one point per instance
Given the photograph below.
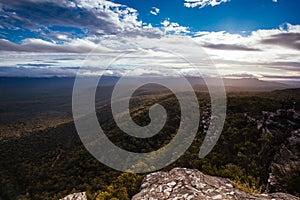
(291, 64)
(231, 47)
(291, 80)
(288, 66)
(8, 46)
(291, 40)
(31, 14)
(41, 47)
(281, 77)
(70, 58)
(63, 21)
(34, 65)
(36, 72)
(42, 71)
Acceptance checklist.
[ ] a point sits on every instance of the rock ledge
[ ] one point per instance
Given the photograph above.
(190, 184)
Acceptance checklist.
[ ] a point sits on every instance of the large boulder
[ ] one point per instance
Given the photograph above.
(182, 183)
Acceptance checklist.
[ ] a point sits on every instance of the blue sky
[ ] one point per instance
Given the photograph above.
(232, 16)
(235, 16)
(257, 38)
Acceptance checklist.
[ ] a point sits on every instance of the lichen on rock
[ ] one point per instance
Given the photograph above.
(191, 184)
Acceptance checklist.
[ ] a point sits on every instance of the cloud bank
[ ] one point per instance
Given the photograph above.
(59, 41)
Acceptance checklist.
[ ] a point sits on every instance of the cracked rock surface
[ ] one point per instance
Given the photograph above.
(182, 183)
(75, 196)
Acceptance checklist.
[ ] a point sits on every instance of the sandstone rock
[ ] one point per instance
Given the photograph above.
(287, 158)
(75, 196)
(286, 161)
(182, 183)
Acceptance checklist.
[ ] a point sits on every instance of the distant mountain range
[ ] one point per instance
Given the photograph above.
(243, 84)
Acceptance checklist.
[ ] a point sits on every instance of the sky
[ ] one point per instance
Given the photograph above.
(241, 38)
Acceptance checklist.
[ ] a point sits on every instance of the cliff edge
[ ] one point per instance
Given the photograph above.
(182, 183)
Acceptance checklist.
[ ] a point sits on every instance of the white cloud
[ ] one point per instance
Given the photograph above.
(203, 3)
(265, 51)
(174, 27)
(235, 55)
(99, 17)
(275, 1)
(154, 11)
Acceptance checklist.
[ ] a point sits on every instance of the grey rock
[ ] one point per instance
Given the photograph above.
(281, 112)
(287, 159)
(285, 162)
(182, 183)
(75, 196)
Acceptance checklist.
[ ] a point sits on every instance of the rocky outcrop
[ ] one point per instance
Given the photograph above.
(205, 118)
(181, 183)
(75, 196)
(271, 122)
(286, 159)
(285, 163)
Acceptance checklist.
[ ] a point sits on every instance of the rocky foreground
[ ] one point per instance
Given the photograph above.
(190, 184)
(181, 183)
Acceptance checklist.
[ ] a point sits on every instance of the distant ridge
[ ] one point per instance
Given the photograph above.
(242, 84)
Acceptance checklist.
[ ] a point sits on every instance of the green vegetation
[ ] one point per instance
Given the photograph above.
(52, 163)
